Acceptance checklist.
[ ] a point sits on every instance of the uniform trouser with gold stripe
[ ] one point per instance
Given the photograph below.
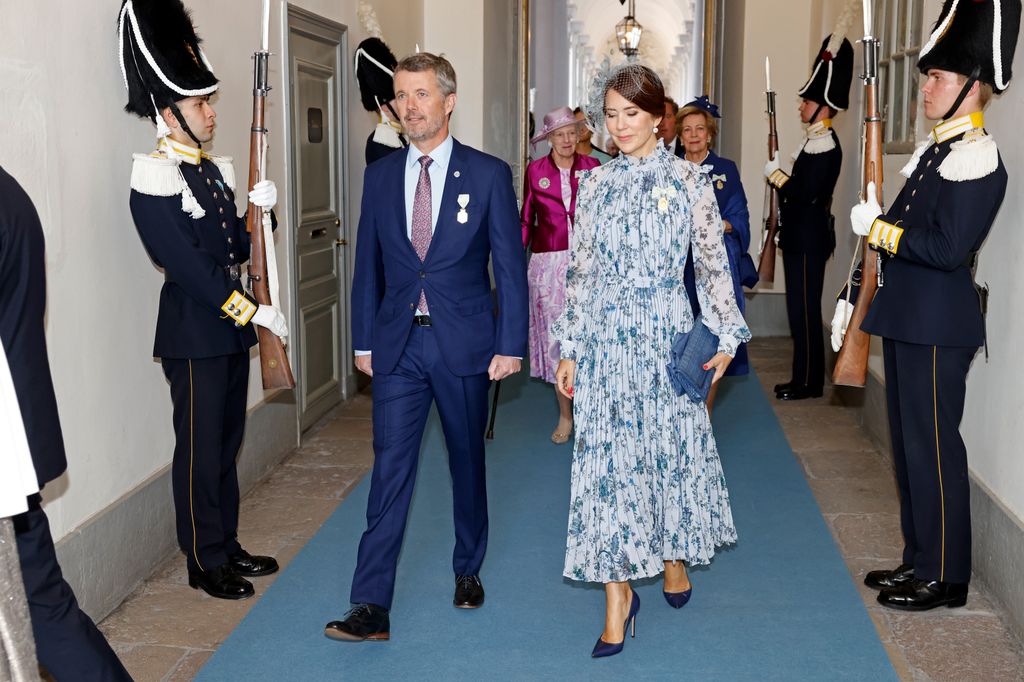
(925, 388)
(209, 396)
(805, 279)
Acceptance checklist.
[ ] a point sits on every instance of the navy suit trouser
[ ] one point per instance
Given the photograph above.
(209, 397)
(401, 404)
(805, 279)
(68, 643)
(925, 388)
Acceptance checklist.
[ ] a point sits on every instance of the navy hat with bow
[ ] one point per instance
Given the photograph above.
(704, 104)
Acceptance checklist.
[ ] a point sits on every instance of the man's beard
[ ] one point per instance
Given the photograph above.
(427, 133)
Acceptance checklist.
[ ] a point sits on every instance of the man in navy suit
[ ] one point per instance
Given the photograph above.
(425, 326)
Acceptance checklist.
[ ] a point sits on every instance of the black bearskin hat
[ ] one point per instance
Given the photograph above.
(831, 75)
(375, 71)
(974, 33)
(161, 60)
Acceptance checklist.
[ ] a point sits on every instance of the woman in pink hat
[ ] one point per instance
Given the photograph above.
(549, 203)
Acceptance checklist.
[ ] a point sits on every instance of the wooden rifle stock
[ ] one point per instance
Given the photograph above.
(766, 263)
(277, 373)
(852, 363)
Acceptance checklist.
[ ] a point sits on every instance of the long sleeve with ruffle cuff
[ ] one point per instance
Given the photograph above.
(711, 269)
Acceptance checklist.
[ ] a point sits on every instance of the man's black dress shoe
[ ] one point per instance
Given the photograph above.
(799, 393)
(782, 387)
(881, 580)
(362, 622)
(469, 592)
(921, 595)
(252, 566)
(221, 582)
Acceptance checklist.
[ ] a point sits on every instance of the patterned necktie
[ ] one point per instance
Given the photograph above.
(421, 220)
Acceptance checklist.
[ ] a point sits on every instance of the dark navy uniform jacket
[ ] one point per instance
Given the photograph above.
(928, 295)
(805, 199)
(22, 306)
(195, 254)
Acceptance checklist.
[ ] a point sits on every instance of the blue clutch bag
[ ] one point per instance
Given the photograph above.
(686, 365)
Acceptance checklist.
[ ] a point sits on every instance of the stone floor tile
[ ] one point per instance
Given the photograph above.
(300, 482)
(266, 515)
(874, 536)
(175, 616)
(946, 646)
(148, 663)
(855, 496)
(333, 452)
(356, 428)
(189, 666)
(844, 464)
(822, 435)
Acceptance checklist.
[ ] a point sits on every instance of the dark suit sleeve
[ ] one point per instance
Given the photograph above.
(958, 225)
(735, 208)
(509, 263)
(166, 232)
(815, 179)
(368, 279)
(527, 217)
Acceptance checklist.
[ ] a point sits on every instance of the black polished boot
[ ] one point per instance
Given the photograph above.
(881, 580)
(786, 386)
(922, 595)
(363, 622)
(252, 566)
(221, 582)
(799, 392)
(469, 592)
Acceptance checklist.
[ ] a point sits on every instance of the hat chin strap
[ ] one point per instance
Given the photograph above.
(184, 124)
(963, 93)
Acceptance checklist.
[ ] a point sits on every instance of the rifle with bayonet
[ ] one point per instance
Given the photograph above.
(276, 371)
(852, 363)
(766, 264)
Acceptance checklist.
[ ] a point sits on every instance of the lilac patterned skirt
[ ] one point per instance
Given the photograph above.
(546, 277)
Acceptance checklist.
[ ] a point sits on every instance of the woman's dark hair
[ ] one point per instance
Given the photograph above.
(641, 86)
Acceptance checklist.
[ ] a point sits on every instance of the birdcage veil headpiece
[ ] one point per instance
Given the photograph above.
(629, 77)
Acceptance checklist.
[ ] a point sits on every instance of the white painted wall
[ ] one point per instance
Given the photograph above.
(69, 143)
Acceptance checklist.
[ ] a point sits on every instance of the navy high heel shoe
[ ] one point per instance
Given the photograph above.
(603, 648)
(677, 600)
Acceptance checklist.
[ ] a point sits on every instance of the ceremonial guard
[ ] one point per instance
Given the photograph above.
(183, 204)
(928, 310)
(806, 233)
(375, 69)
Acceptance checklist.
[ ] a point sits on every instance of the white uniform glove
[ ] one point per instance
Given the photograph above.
(270, 317)
(772, 165)
(264, 194)
(844, 310)
(863, 214)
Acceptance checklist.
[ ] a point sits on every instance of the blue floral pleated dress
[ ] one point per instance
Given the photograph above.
(647, 484)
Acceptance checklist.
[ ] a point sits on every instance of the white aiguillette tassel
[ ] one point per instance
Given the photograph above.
(911, 166)
(226, 166)
(971, 158)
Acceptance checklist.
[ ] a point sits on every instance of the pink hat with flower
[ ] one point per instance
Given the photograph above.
(559, 118)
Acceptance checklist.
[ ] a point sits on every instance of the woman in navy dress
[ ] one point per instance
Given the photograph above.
(697, 128)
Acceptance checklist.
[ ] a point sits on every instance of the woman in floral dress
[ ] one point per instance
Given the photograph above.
(648, 493)
(549, 206)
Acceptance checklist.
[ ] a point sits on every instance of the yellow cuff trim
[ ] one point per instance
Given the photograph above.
(885, 235)
(239, 308)
(778, 178)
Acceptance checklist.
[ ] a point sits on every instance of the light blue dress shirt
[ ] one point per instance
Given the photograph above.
(438, 170)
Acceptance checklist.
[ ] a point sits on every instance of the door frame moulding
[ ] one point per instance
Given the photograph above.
(304, 22)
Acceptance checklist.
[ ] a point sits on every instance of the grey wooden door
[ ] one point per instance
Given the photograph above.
(320, 280)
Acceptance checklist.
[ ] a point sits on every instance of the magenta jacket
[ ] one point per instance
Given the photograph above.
(545, 227)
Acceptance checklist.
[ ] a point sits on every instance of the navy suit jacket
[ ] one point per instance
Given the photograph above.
(389, 276)
(22, 308)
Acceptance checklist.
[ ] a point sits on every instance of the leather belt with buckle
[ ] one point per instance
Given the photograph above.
(234, 271)
(422, 320)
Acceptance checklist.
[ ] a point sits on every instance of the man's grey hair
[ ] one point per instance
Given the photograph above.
(425, 61)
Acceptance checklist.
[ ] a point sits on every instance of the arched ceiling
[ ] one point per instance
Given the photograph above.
(667, 36)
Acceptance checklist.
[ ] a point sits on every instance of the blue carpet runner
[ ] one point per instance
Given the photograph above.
(780, 605)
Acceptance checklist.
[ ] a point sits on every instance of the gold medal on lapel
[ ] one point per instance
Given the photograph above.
(720, 184)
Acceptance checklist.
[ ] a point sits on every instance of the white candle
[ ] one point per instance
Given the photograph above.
(767, 75)
(867, 18)
(265, 45)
